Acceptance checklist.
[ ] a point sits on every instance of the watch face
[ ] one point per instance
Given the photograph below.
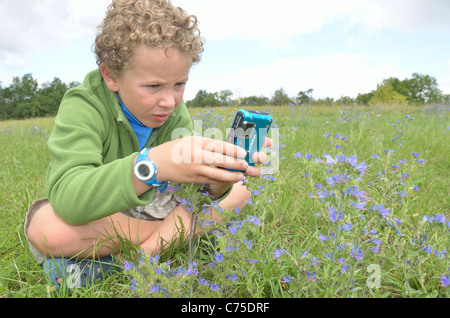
(144, 170)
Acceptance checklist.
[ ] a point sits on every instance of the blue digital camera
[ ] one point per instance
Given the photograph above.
(249, 131)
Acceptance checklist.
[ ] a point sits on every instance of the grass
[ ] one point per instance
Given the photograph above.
(297, 249)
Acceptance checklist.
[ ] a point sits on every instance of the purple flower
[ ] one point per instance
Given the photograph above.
(330, 161)
(416, 154)
(128, 266)
(287, 279)
(133, 284)
(383, 211)
(345, 227)
(445, 280)
(351, 160)
(333, 214)
(439, 218)
(323, 237)
(323, 194)
(361, 168)
(254, 220)
(279, 252)
(214, 287)
(357, 253)
(218, 257)
(359, 205)
(248, 243)
(311, 276)
(298, 155)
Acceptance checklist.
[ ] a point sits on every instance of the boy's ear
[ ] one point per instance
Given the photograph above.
(108, 77)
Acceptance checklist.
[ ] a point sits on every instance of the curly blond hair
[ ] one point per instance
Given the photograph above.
(156, 23)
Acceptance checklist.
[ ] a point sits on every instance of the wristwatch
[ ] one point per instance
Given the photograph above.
(145, 170)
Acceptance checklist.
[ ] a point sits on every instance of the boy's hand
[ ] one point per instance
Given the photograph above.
(195, 160)
(217, 190)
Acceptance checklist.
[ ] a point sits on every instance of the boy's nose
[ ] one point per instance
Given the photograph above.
(168, 99)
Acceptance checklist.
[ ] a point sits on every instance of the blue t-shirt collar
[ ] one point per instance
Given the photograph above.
(142, 132)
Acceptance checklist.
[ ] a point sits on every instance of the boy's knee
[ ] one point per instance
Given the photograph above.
(43, 233)
(238, 197)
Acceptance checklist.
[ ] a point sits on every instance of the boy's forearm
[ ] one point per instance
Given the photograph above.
(218, 191)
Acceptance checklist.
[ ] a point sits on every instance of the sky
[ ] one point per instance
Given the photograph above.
(252, 47)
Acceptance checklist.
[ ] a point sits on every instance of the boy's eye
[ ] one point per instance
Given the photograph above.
(153, 86)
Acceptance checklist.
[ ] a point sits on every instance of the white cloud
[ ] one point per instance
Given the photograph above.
(263, 20)
(28, 26)
(403, 15)
(267, 21)
(334, 75)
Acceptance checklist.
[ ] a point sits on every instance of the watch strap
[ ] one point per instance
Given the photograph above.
(143, 156)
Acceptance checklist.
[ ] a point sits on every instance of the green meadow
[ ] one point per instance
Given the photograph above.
(358, 207)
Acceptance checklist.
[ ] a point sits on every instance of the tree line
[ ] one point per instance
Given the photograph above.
(25, 98)
(417, 90)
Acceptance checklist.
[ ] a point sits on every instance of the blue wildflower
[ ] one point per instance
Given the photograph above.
(218, 257)
(311, 276)
(357, 253)
(445, 280)
(214, 287)
(383, 211)
(287, 279)
(279, 252)
(128, 266)
(323, 237)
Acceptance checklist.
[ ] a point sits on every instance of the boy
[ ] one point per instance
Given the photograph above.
(97, 182)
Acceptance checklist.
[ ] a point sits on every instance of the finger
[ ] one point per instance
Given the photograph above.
(223, 161)
(216, 175)
(253, 171)
(268, 142)
(259, 157)
(223, 147)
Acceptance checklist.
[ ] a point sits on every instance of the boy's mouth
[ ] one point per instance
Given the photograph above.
(162, 117)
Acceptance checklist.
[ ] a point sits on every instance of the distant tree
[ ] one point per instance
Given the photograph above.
(25, 99)
(422, 89)
(304, 97)
(255, 101)
(364, 99)
(21, 97)
(446, 99)
(280, 98)
(204, 99)
(385, 94)
(345, 101)
(50, 96)
(225, 97)
(328, 101)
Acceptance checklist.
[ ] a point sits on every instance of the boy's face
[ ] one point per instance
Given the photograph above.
(153, 86)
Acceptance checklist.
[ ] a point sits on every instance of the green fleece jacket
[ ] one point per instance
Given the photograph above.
(93, 148)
